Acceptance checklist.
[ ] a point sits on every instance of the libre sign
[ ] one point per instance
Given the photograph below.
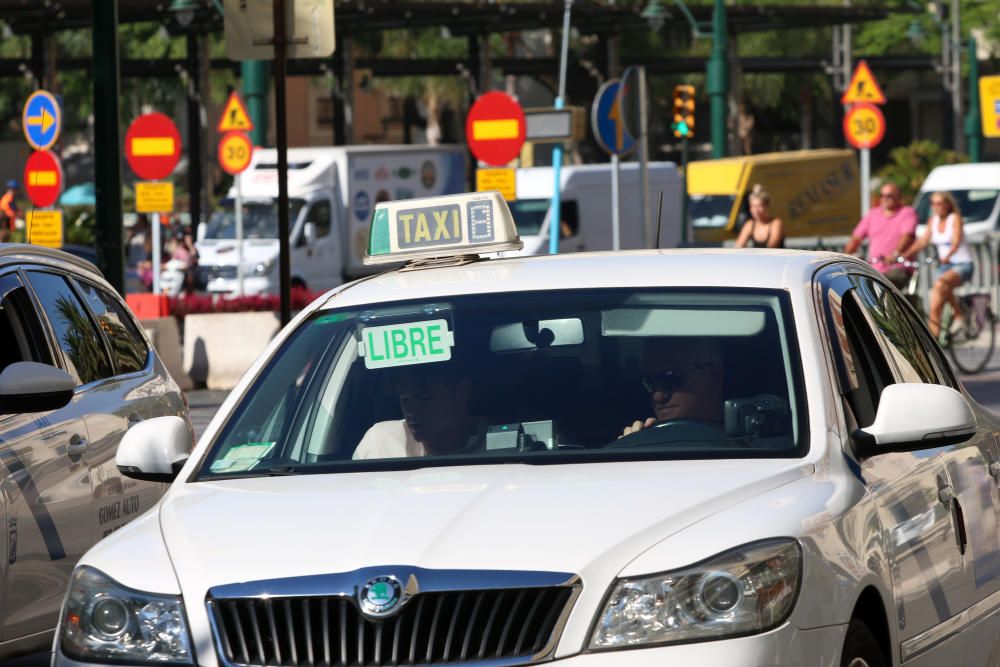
(495, 128)
(42, 178)
(152, 146)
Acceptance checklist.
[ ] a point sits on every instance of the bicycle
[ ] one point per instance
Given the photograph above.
(971, 346)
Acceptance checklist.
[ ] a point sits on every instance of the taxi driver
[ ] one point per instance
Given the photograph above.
(434, 400)
(684, 379)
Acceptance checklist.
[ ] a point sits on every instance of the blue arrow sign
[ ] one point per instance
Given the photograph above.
(41, 120)
(608, 120)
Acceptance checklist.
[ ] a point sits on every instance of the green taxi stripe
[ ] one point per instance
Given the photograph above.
(378, 241)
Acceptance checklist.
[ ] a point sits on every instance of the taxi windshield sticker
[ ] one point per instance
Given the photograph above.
(241, 458)
(406, 343)
(428, 226)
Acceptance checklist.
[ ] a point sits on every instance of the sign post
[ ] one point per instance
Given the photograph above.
(495, 130)
(612, 135)
(235, 151)
(153, 149)
(864, 124)
(864, 128)
(41, 120)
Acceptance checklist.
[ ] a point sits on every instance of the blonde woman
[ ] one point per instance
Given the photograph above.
(762, 230)
(944, 230)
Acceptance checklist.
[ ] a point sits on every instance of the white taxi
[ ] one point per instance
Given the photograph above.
(707, 457)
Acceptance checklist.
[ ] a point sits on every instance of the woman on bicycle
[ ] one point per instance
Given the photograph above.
(944, 230)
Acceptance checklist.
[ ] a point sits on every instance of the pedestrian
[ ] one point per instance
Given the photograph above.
(890, 229)
(8, 207)
(762, 230)
(944, 230)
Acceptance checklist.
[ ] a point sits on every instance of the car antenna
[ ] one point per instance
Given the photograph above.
(659, 219)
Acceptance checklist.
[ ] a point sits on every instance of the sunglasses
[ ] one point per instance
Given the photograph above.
(887, 195)
(668, 382)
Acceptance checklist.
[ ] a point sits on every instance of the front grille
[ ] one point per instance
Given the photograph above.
(207, 273)
(434, 628)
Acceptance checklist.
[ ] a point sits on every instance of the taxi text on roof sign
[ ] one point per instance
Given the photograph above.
(438, 227)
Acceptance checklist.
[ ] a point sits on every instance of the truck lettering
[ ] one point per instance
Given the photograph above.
(834, 184)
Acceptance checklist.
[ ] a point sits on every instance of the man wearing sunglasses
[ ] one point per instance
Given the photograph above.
(684, 379)
(890, 229)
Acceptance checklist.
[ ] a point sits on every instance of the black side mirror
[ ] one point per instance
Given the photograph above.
(27, 386)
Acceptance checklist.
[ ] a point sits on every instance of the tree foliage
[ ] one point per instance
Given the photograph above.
(909, 165)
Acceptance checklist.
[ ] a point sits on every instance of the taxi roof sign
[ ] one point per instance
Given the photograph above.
(441, 227)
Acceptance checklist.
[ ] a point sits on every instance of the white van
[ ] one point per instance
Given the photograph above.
(586, 206)
(331, 193)
(975, 188)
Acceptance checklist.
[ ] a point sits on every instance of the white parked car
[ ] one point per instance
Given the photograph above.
(701, 457)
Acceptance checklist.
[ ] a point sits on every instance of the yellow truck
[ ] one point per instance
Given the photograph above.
(814, 192)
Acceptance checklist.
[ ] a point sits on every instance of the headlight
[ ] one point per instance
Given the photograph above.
(263, 268)
(102, 620)
(744, 591)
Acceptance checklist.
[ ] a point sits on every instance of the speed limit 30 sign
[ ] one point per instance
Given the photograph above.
(864, 126)
(235, 151)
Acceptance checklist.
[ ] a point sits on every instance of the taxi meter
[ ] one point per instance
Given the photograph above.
(440, 227)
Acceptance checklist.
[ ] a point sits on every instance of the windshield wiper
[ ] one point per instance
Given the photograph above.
(281, 471)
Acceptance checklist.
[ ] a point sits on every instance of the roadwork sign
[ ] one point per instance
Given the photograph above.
(504, 180)
(863, 87)
(41, 120)
(235, 151)
(155, 197)
(864, 126)
(234, 116)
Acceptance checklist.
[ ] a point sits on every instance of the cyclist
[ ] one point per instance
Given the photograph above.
(944, 230)
(890, 229)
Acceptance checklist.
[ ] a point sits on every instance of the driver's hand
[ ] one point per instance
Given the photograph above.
(637, 426)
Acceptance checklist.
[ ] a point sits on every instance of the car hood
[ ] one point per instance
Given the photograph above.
(559, 518)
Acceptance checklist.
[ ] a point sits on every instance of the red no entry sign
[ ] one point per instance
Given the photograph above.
(152, 146)
(42, 178)
(494, 128)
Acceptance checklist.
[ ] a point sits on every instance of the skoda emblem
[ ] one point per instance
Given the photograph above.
(380, 596)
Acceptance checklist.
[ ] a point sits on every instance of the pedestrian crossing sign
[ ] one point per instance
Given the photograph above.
(234, 116)
(863, 87)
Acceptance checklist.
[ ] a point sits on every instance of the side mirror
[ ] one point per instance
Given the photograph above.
(154, 450)
(202, 230)
(27, 386)
(916, 416)
(309, 231)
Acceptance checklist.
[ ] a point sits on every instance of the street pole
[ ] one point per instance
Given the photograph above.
(866, 181)
(616, 241)
(194, 129)
(238, 211)
(107, 146)
(644, 161)
(956, 74)
(973, 120)
(718, 79)
(284, 253)
(557, 153)
(684, 192)
(255, 75)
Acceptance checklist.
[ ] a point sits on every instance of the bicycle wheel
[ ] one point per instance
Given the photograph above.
(972, 347)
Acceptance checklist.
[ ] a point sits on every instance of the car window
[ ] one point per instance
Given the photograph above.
(21, 336)
(555, 376)
(319, 215)
(942, 370)
(86, 358)
(899, 341)
(128, 348)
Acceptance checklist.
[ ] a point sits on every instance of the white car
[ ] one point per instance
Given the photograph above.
(429, 467)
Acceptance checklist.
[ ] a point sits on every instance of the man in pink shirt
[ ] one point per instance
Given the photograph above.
(890, 230)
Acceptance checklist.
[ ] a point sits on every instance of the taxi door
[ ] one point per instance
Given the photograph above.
(44, 486)
(968, 489)
(913, 492)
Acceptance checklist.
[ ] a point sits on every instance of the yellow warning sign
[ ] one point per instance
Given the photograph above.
(503, 180)
(154, 197)
(234, 115)
(863, 87)
(45, 228)
(989, 105)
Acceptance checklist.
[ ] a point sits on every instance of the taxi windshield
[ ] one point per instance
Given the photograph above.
(534, 377)
(260, 219)
(711, 210)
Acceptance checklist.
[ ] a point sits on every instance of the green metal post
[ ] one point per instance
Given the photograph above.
(718, 79)
(684, 192)
(107, 147)
(973, 119)
(256, 83)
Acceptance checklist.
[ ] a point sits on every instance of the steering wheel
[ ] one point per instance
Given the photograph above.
(692, 432)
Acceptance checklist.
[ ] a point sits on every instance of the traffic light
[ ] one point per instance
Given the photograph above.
(683, 125)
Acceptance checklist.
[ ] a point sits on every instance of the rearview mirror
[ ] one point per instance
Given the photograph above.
(27, 386)
(154, 450)
(916, 416)
(309, 231)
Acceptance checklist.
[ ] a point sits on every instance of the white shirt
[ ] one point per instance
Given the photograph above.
(943, 239)
(388, 440)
